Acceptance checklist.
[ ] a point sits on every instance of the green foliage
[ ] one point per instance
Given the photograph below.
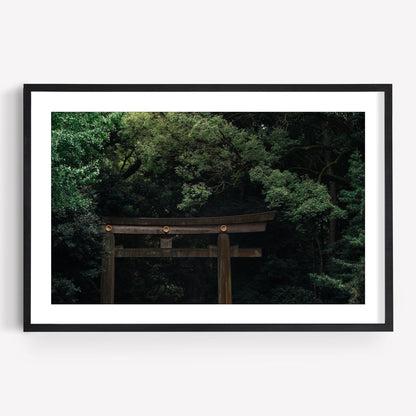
(349, 256)
(302, 200)
(64, 290)
(78, 140)
(193, 155)
(76, 253)
(329, 289)
(194, 197)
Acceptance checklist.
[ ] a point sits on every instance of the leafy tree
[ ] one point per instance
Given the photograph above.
(78, 140)
(349, 261)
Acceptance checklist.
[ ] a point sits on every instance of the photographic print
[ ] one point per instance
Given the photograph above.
(155, 180)
(207, 208)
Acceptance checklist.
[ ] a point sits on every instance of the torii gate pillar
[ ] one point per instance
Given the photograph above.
(107, 274)
(224, 269)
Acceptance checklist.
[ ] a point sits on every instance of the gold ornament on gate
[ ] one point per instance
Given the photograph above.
(165, 229)
(108, 227)
(223, 228)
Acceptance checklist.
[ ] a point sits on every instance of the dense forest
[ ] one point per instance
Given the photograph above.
(308, 167)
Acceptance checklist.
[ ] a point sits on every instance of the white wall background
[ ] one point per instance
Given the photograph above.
(206, 42)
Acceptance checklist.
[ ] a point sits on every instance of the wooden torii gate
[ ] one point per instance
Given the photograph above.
(166, 227)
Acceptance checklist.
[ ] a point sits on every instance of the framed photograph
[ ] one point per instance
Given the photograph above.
(208, 207)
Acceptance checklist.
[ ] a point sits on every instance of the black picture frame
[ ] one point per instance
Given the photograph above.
(388, 209)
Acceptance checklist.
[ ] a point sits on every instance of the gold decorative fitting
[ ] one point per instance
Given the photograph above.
(165, 229)
(108, 227)
(223, 228)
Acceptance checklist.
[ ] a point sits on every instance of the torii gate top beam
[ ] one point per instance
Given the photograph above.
(197, 225)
